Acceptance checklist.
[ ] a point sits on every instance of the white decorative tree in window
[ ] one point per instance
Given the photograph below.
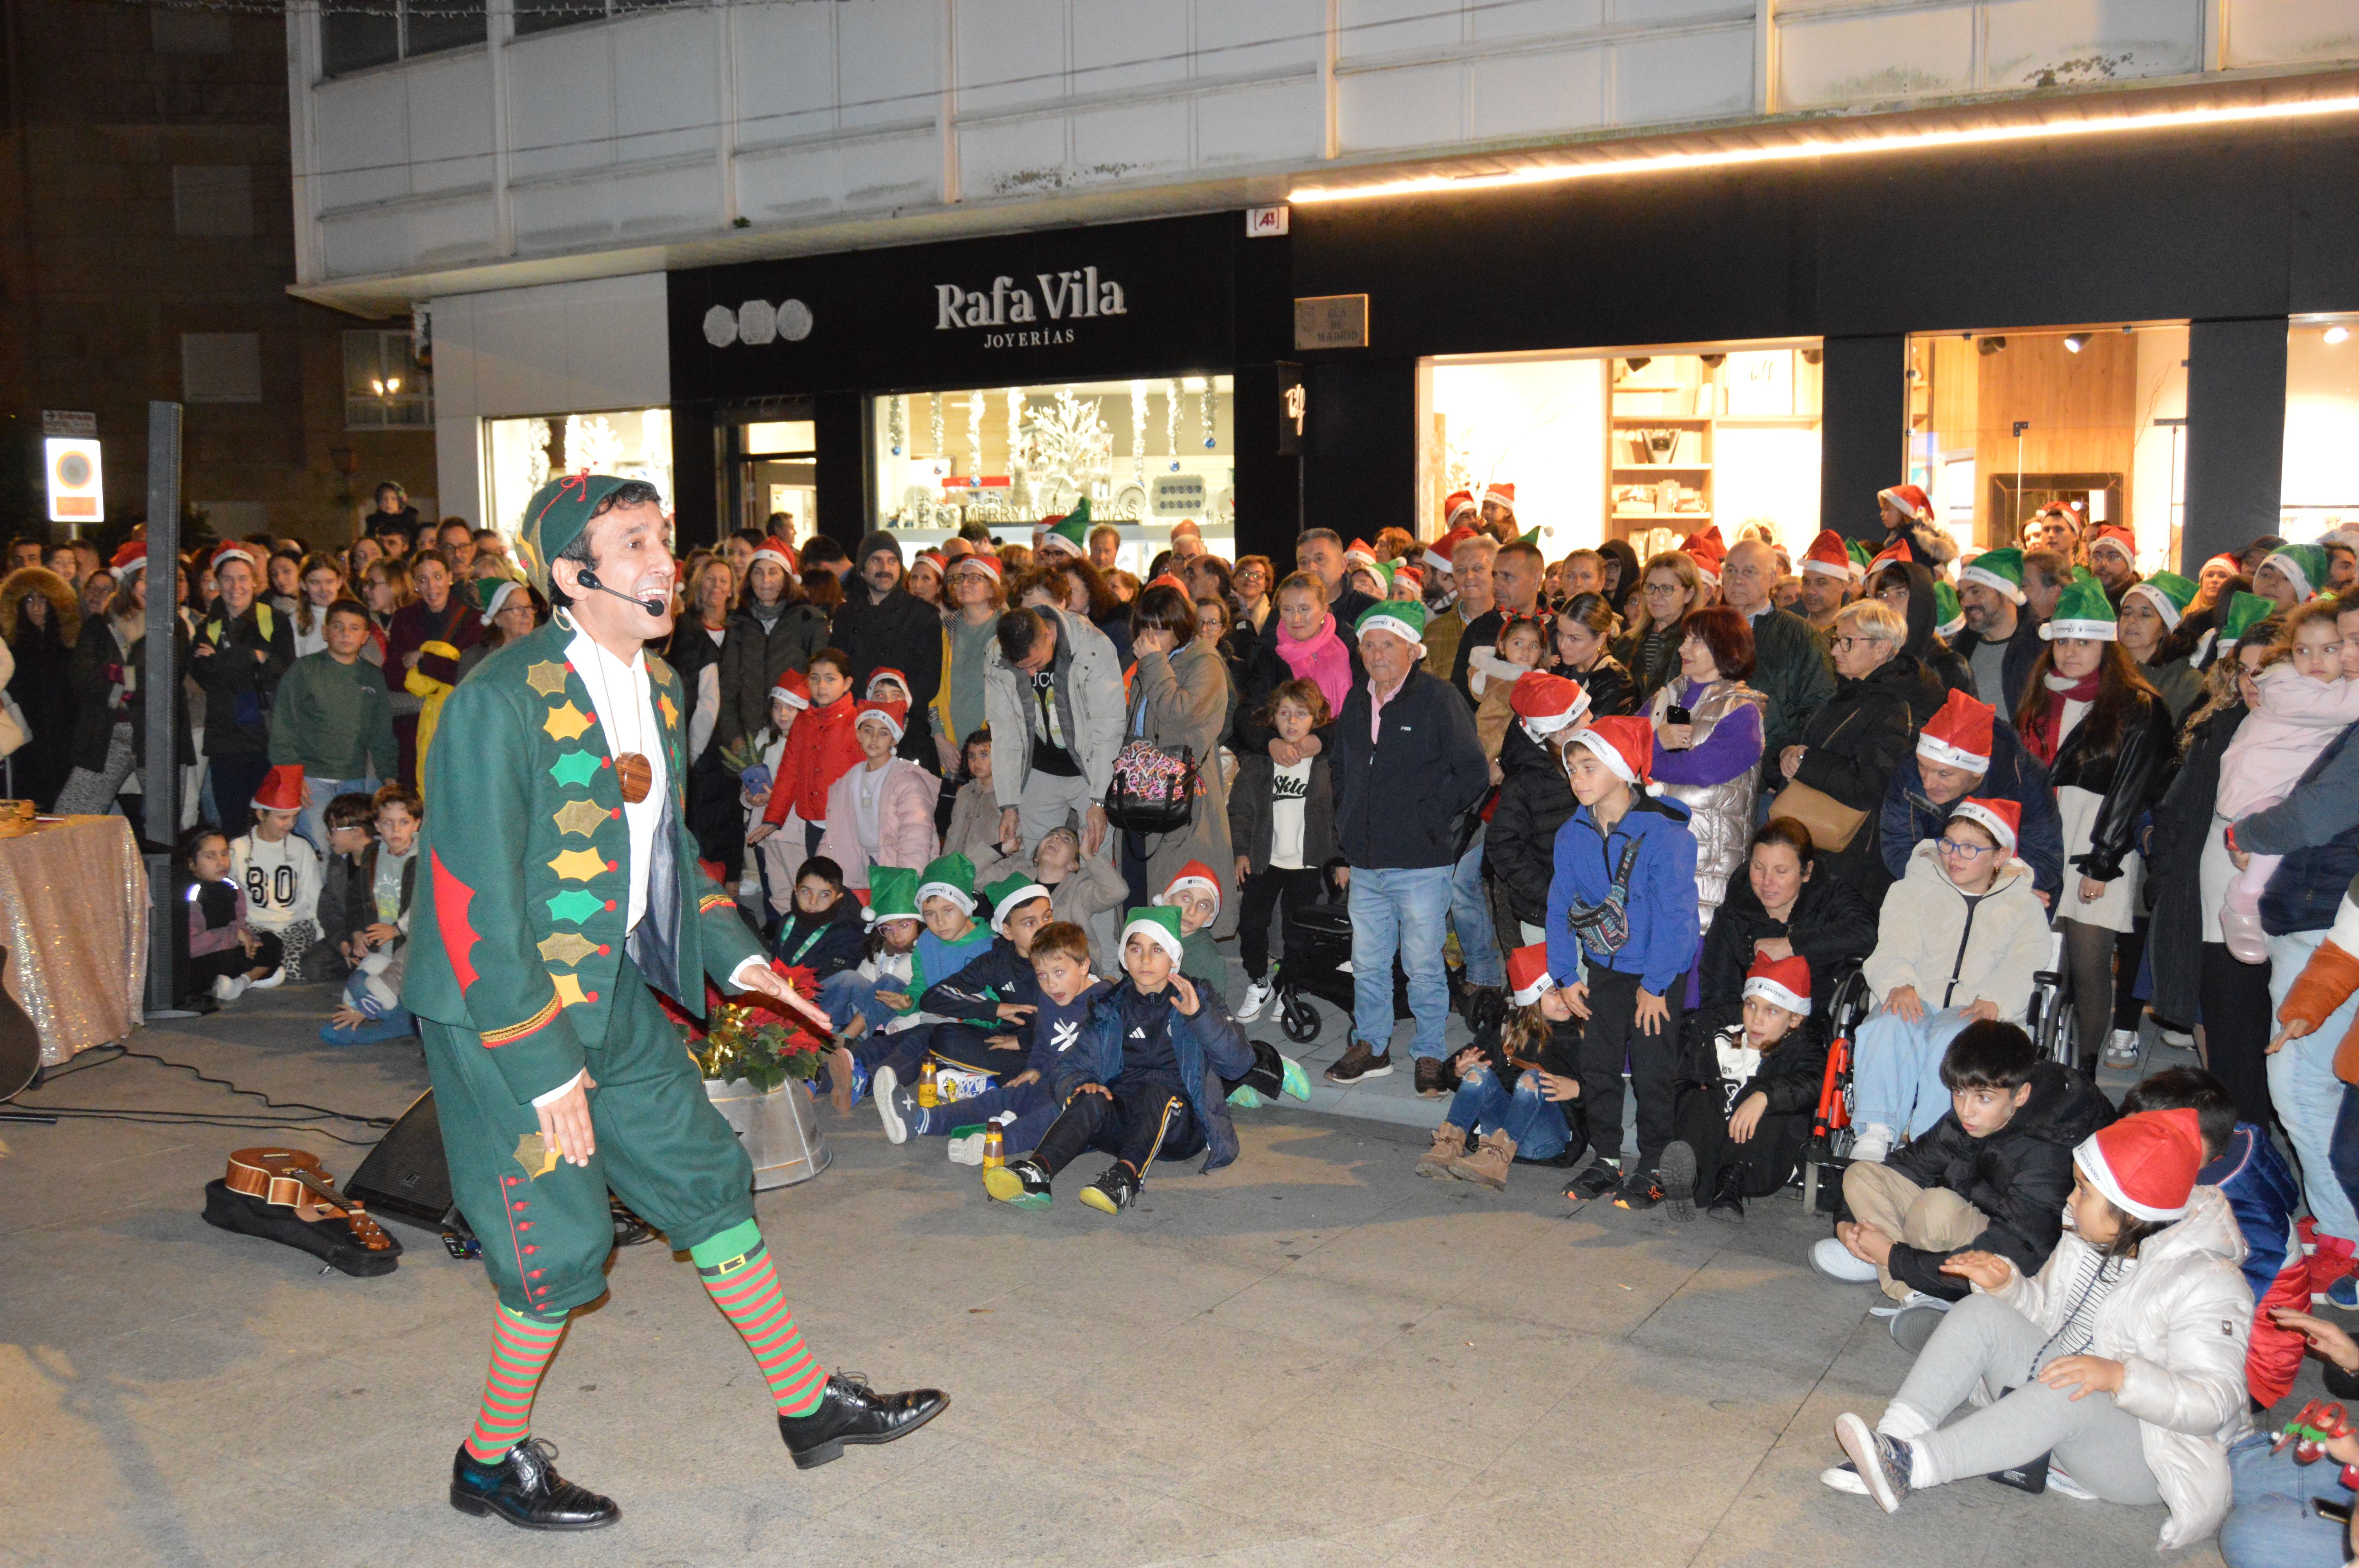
(1072, 452)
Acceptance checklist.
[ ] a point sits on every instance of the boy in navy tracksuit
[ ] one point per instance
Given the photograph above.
(1140, 1079)
(1622, 912)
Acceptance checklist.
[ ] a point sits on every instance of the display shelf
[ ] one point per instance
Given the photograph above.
(1680, 421)
(1663, 517)
(1662, 468)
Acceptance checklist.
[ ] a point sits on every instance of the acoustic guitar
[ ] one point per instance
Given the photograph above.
(20, 1053)
(289, 1178)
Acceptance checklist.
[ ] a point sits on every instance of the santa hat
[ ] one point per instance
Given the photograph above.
(1527, 976)
(1826, 555)
(1008, 894)
(1909, 501)
(1546, 703)
(1160, 924)
(1707, 550)
(950, 877)
(892, 894)
(282, 788)
(2115, 537)
(773, 555)
(233, 550)
(1458, 503)
(1780, 982)
(1168, 579)
(1502, 496)
(130, 557)
(988, 563)
(2082, 611)
(1194, 874)
(1959, 734)
(2000, 570)
(1402, 569)
(1359, 553)
(2304, 566)
(886, 673)
(2146, 1164)
(892, 714)
(1404, 618)
(792, 690)
(2236, 567)
(2004, 819)
(2169, 593)
(507, 588)
(1894, 554)
(1437, 553)
(1626, 745)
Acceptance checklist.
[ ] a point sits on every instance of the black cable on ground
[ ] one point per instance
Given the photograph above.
(122, 1052)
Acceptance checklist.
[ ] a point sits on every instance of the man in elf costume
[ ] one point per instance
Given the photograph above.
(561, 889)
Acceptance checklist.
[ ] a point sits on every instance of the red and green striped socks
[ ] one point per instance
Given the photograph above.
(522, 1347)
(739, 1273)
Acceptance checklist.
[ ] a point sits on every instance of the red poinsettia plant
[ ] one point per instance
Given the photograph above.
(755, 1037)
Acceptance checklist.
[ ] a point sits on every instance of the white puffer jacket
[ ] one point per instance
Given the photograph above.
(1954, 951)
(2177, 1323)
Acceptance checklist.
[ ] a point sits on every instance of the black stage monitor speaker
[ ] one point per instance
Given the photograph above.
(405, 1177)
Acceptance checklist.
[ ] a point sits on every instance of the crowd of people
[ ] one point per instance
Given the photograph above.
(1637, 822)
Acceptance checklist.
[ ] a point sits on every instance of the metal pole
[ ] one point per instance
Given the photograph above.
(159, 685)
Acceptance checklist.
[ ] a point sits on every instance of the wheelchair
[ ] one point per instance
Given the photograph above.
(1830, 1128)
(2052, 1020)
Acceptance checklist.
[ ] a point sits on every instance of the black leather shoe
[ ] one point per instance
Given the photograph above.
(526, 1490)
(852, 1412)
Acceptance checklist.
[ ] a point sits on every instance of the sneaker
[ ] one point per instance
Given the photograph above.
(1873, 1142)
(1882, 1463)
(2060, 1481)
(1019, 1181)
(274, 979)
(1677, 1176)
(2343, 1294)
(1637, 1195)
(1602, 1177)
(2328, 1258)
(1113, 1191)
(1245, 1096)
(229, 988)
(1358, 1062)
(2178, 1036)
(2124, 1050)
(1429, 1078)
(1256, 997)
(1833, 1260)
(1843, 1477)
(966, 1145)
(898, 1108)
(1297, 1081)
(1912, 1326)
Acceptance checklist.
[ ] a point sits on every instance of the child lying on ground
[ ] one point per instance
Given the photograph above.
(1527, 1123)
(1134, 1082)
(2122, 1362)
(1747, 1095)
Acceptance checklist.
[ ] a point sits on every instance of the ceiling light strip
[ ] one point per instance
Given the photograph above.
(1906, 140)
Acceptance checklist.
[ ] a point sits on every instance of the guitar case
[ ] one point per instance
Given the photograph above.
(327, 1241)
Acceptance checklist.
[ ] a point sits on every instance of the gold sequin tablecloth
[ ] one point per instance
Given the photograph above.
(73, 915)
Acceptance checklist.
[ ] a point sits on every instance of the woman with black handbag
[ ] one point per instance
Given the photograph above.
(1179, 699)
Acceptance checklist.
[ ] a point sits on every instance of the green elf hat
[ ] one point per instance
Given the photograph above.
(1162, 924)
(892, 893)
(2169, 594)
(950, 877)
(2001, 571)
(1008, 892)
(1070, 535)
(1404, 618)
(1384, 571)
(2305, 565)
(2083, 612)
(1860, 555)
(557, 512)
(1948, 614)
(1529, 537)
(2245, 611)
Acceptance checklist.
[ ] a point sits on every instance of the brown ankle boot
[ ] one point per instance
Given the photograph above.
(1449, 1148)
(1488, 1164)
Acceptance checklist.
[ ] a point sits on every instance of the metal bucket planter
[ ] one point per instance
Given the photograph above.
(779, 1129)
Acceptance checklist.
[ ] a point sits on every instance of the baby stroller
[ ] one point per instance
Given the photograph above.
(1316, 961)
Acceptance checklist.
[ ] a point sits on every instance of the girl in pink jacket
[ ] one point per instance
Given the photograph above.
(2304, 704)
(880, 813)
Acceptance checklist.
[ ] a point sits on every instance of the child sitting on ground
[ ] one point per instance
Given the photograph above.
(1990, 1176)
(826, 928)
(952, 938)
(1195, 891)
(1748, 1092)
(1082, 887)
(279, 872)
(347, 907)
(819, 749)
(1282, 825)
(226, 956)
(1493, 672)
(1134, 1082)
(877, 996)
(370, 1010)
(2304, 704)
(1527, 1123)
(1958, 941)
(2242, 1161)
(2121, 1363)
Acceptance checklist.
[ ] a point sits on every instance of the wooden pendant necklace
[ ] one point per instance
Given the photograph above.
(633, 773)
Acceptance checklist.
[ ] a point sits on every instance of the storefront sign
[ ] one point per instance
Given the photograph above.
(1176, 494)
(1332, 322)
(1293, 409)
(1074, 295)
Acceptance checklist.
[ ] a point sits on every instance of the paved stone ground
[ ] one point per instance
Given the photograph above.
(1313, 1358)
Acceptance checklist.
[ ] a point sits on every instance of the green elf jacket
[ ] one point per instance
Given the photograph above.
(518, 927)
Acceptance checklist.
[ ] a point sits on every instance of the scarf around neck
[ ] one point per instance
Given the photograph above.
(1319, 658)
(2047, 733)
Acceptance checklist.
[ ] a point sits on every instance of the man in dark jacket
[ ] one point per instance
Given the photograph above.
(883, 625)
(1407, 766)
(1789, 656)
(2002, 636)
(1940, 773)
(238, 654)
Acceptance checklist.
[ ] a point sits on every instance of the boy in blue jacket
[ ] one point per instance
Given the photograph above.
(987, 1009)
(1140, 1080)
(1622, 913)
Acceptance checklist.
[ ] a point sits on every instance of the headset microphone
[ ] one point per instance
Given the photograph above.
(588, 579)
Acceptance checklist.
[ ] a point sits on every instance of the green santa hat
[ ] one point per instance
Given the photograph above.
(557, 512)
(1949, 614)
(2245, 611)
(2082, 612)
(2169, 594)
(1529, 537)
(1070, 535)
(2304, 566)
(950, 877)
(1006, 894)
(1860, 555)
(1403, 618)
(892, 893)
(1161, 924)
(2001, 571)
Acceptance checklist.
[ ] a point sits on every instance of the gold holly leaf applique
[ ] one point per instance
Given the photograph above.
(566, 947)
(566, 722)
(548, 678)
(537, 1155)
(569, 990)
(578, 865)
(581, 816)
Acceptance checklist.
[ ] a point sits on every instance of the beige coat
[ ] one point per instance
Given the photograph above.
(1929, 937)
(2177, 1323)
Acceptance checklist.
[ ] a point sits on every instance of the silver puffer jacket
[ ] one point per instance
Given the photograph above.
(1723, 813)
